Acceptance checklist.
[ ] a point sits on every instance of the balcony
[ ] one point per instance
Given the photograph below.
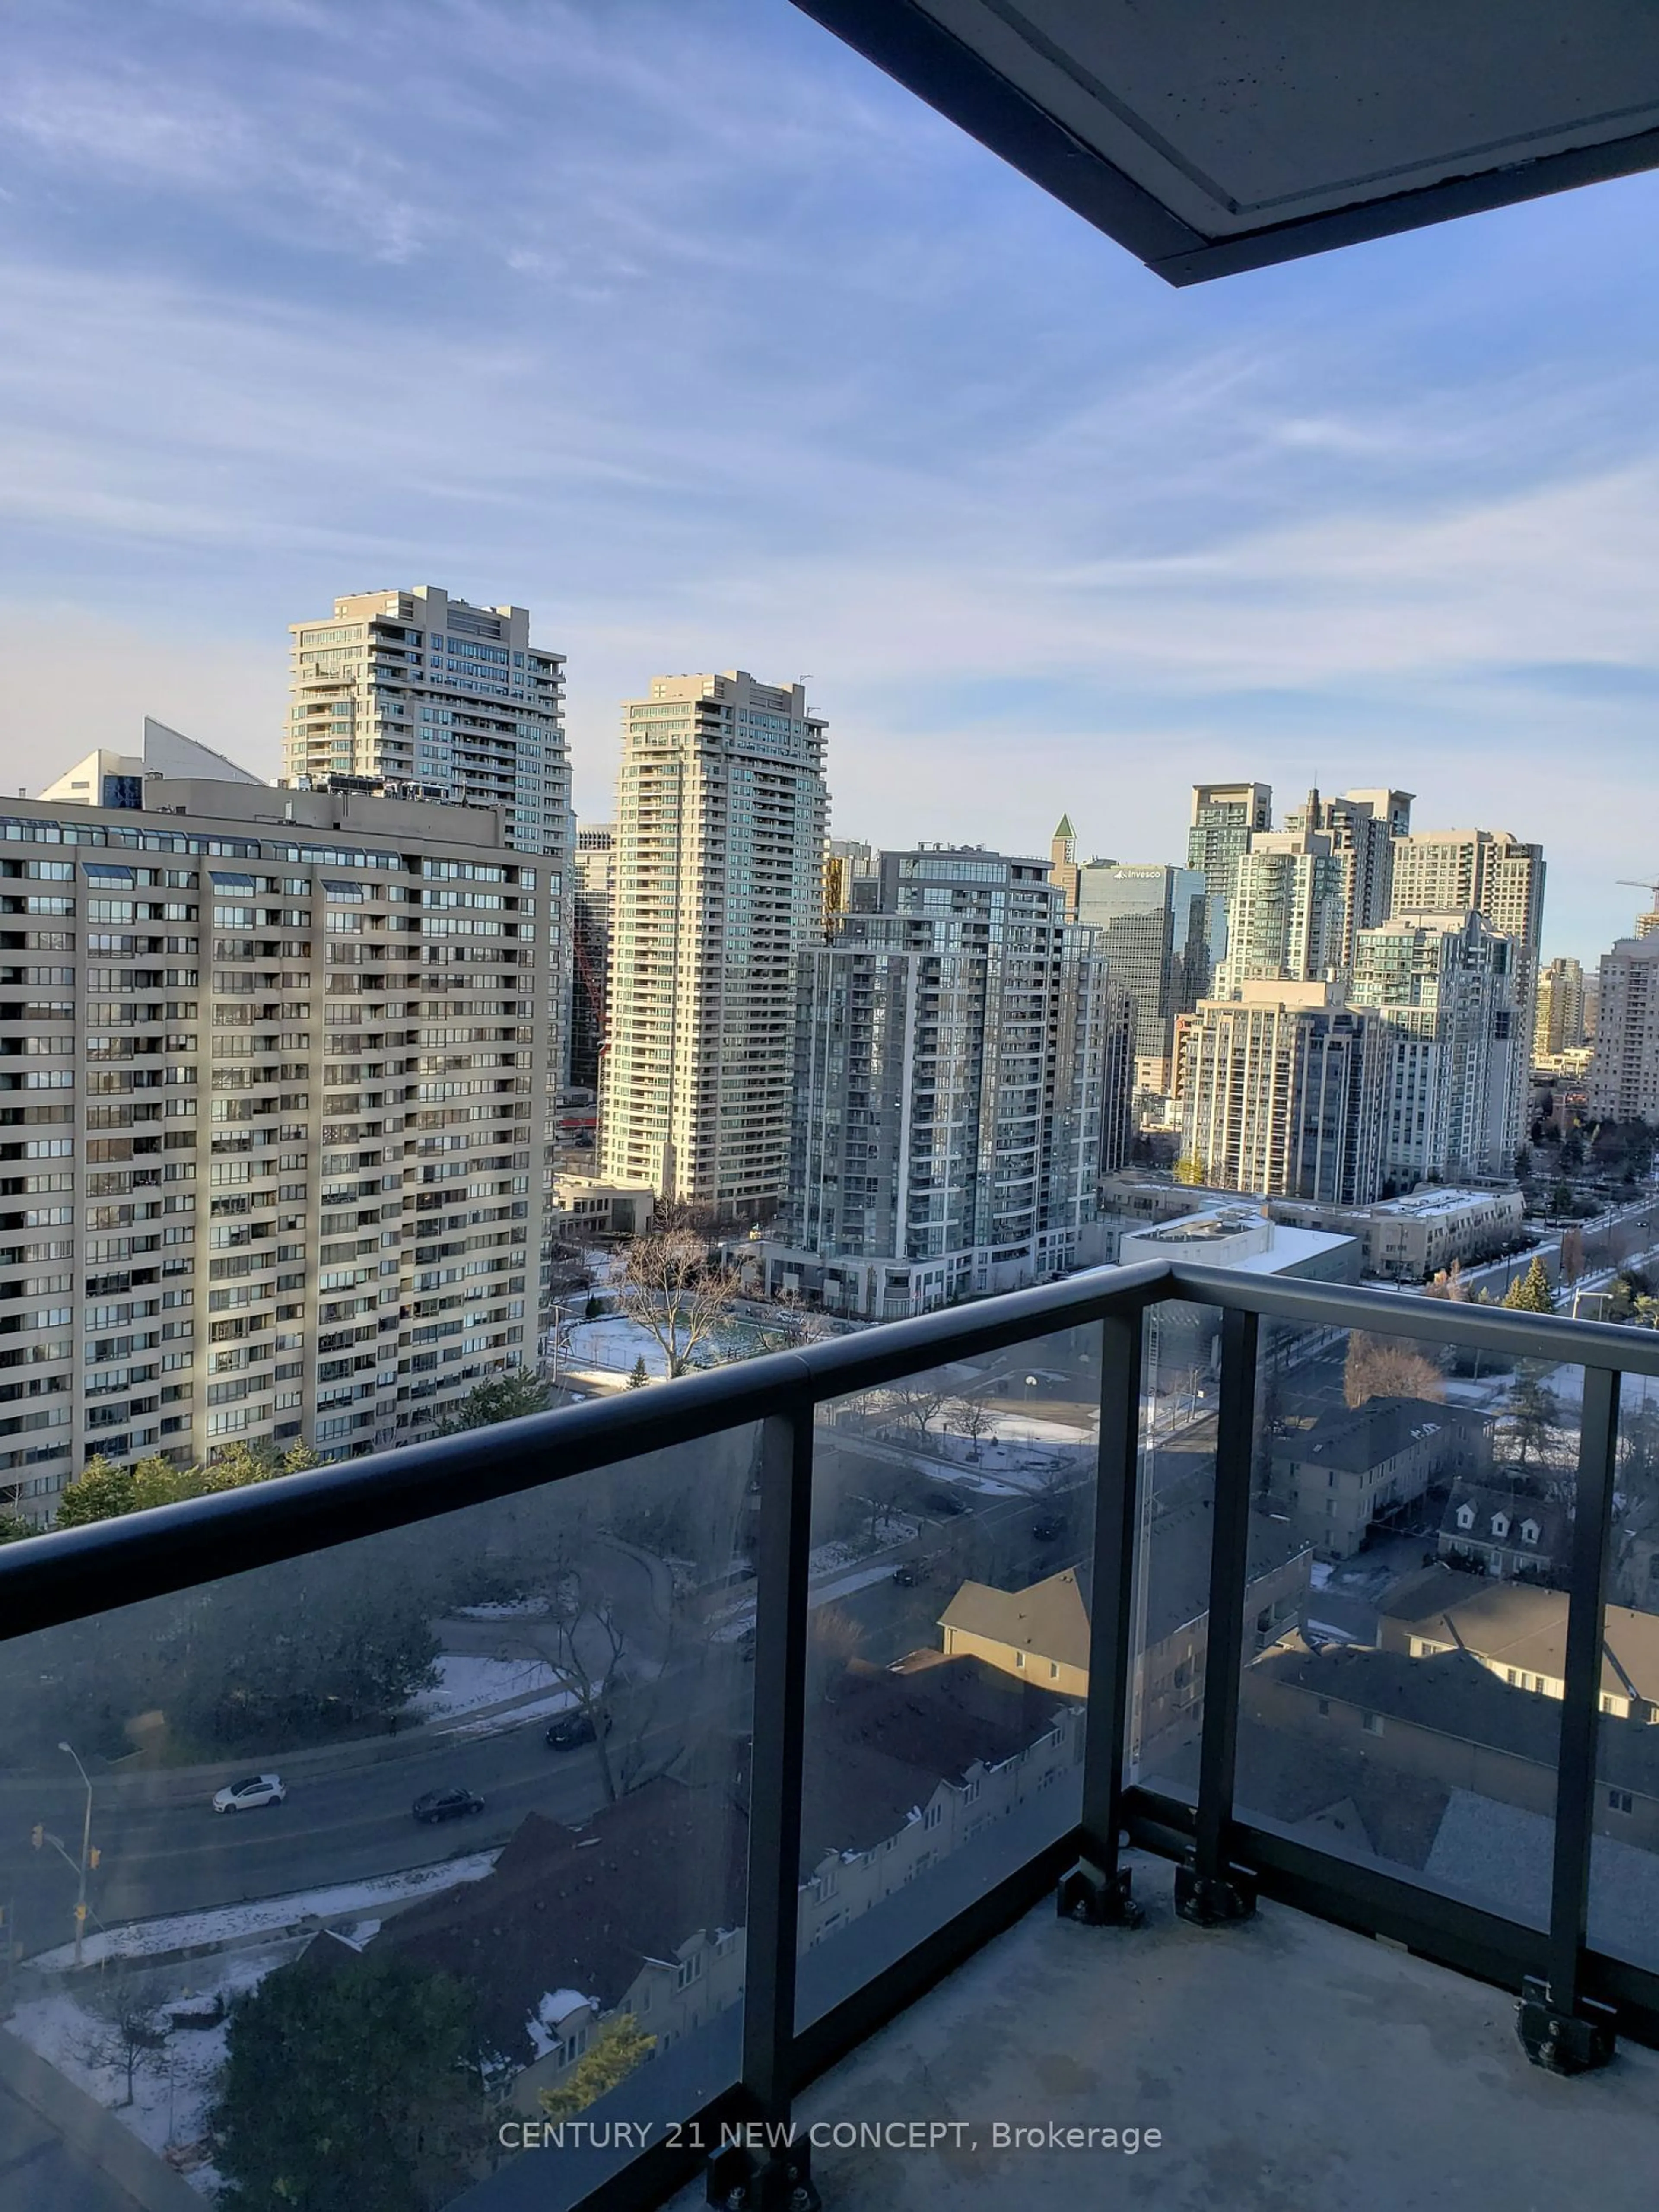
(777, 1709)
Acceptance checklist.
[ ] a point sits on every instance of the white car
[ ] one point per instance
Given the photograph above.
(252, 1789)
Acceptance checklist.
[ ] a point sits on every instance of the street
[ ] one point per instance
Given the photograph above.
(346, 1826)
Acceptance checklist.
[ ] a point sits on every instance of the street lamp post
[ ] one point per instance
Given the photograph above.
(86, 1851)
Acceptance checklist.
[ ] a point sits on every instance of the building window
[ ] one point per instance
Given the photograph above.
(1620, 1801)
(1373, 1723)
(932, 1816)
(1324, 1709)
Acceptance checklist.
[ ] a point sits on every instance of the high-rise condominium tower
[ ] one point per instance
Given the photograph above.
(718, 886)
(960, 1067)
(1281, 1093)
(1559, 1024)
(1285, 916)
(279, 1105)
(1623, 1077)
(590, 947)
(1491, 873)
(1152, 922)
(1225, 816)
(420, 693)
(1362, 826)
(1445, 984)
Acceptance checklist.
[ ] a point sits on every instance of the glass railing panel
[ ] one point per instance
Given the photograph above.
(1180, 1395)
(481, 1859)
(947, 1659)
(1406, 1712)
(1624, 1889)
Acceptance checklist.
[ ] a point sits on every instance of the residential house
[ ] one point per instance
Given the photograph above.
(1041, 1632)
(1518, 1631)
(1506, 1525)
(1355, 1466)
(1419, 1729)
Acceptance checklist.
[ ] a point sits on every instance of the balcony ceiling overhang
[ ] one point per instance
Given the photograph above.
(1213, 136)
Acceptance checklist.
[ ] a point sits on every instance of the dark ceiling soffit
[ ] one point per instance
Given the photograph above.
(934, 64)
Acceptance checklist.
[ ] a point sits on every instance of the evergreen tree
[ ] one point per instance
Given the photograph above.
(352, 2087)
(508, 1397)
(14, 1529)
(638, 1379)
(1531, 1293)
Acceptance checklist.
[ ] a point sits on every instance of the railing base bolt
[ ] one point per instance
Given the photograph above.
(1214, 1901)
(1561, 2042)
(740, 2181)
(1088, 1894)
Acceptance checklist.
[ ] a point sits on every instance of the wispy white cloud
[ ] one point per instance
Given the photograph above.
(687, 330)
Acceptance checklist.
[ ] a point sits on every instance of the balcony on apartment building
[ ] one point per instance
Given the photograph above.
(972, 1723)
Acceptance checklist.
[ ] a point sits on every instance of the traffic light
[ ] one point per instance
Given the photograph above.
(94, 1855)
(39, 1836)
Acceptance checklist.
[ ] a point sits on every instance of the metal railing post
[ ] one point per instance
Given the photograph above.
(1096, 1889)
(1558, 2028)
(1210, 1889)
(777, 2169)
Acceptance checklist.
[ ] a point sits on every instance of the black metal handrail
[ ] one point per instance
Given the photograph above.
(59, 1578)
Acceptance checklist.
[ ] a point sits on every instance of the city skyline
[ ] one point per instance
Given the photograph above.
(1388, 513)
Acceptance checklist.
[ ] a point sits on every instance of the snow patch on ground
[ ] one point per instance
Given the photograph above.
(173, 2087)
(229, 1924)
(535, 1709)
(464, 1684)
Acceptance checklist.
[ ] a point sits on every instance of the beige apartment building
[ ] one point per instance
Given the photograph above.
(414, 688)
(1496, 876)
(1624, 1075)
(1281, 1093)
(717, 869)
(272, 1069)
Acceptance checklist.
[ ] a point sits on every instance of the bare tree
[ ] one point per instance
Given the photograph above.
(128, 2032)
(920, 1399)
(1572, 1264)
(1384, 1367)
(789, 1322)
(671, 1283)
(971, 1418)
(586, 1650)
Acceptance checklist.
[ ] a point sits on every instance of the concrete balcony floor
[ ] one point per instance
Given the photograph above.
(1290, 2066)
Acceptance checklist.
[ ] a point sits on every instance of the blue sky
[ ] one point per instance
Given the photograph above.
(674, 321)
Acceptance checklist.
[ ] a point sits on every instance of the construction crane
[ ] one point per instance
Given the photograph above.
(1629, 883)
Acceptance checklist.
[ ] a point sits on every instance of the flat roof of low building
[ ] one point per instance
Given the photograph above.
(1435, 1198)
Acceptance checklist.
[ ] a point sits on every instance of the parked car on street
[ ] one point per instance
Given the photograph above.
(253, 1790)
(446, 1804)
(912, 1574)
(1049, 1531)
(574, 1729)
(945, 1501)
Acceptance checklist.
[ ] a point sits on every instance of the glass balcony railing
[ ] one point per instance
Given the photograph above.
(505, 1818)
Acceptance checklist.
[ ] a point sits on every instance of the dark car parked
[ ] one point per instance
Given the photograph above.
(1048, 1531)
(446, 1804)
(945, 1501)
(574, 1729)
